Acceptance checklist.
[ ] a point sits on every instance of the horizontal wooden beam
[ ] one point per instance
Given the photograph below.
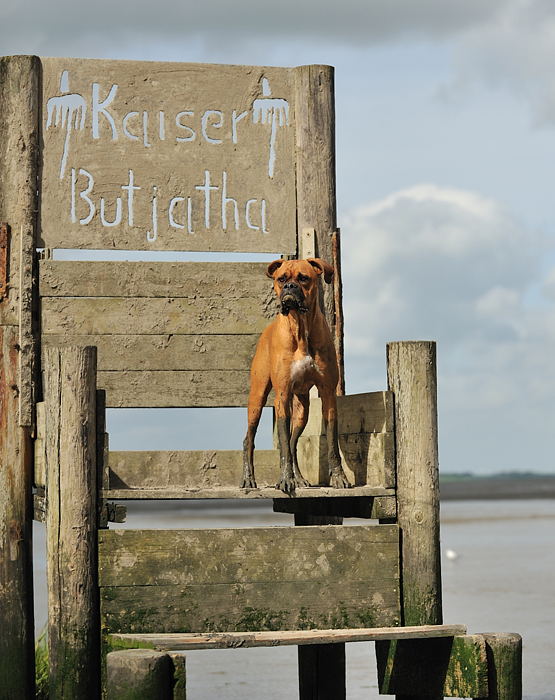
(235, 640)
(207, 280)
(248, 494)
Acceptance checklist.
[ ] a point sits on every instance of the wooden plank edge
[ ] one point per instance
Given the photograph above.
(234, 640)
(237, 493)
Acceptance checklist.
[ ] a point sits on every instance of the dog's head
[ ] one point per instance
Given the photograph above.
(296, 282)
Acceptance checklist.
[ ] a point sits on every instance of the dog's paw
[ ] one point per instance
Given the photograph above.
(301, 482)
(287, 484)
(248, 483)
(338, 480)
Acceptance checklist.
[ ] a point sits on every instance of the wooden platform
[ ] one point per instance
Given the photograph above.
(234, 493)
(235, 640)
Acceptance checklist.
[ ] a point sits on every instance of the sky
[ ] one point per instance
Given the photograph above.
(445, 190)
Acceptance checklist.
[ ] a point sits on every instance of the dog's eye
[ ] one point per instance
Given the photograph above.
(281, 280)
(302, 278)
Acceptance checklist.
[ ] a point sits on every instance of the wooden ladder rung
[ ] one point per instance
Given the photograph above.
(234, 640)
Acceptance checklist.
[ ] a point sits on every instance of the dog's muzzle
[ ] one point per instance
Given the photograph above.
(292, 297)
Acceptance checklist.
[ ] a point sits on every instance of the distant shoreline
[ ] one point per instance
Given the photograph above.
(517, 486)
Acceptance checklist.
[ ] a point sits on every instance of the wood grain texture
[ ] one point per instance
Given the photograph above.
(504, 655)
(71, 525)
(227, 492)
(246, 580)
(243, 640)
(411, 372)
(19, 144)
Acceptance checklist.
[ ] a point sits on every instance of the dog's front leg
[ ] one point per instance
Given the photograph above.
(287, 481)
(338, 478)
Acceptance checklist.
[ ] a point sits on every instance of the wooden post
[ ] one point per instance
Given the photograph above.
(322, 667)
(411, 374)
(71, 523)
(504, 655)
(19, 118)
(316, 206)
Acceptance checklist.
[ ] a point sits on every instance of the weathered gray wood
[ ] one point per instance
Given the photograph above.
(140, 316)
(228, 492)
(28, 324)
(71, 527)
(180, 128)
(411, 372)
(167, 352)
(371, 412)
(448, 667)
(40, 446)
(249, 580)
(315, 137)
(207, 280)
(19, 142)
(368, 458)
(138, 674)
(234, 640)
(176, 389)
(504, 655)
(347, 554)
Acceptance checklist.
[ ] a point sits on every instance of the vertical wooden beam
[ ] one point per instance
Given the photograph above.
(322, 667)
(411, 374)
(71, 523)
(19, 143)
(316, 206)
(504, 655)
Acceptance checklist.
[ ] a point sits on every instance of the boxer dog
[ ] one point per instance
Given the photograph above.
(294, 353)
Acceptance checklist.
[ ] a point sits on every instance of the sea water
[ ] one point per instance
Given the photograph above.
(499, 576)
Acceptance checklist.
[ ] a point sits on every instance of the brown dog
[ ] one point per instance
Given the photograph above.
(294, 353)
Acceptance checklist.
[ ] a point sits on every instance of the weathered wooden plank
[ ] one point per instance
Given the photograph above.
(371, 412)
(236, 493)
(198, 179)
(109, 278)
(238, 607)
(242, 556)
(504, 654)
(40, 446)
(452, 667)
(243, 640)
(368, 458)
(19, 159)
(176, 389)
(138, 316)
(71, 523)
(164, 352)
(411, 374)
(141, 674)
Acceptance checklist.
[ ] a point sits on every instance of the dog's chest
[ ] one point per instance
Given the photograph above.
(303, 371)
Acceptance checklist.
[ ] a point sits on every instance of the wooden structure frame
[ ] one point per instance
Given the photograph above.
(189, 330)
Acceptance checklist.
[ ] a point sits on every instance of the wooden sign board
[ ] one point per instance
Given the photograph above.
(167, 156)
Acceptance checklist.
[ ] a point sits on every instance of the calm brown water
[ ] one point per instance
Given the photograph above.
(502, 580)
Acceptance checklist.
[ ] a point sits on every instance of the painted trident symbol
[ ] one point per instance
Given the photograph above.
(71, 109)
(267, 108)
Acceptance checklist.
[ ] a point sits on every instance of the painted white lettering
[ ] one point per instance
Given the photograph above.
(205, 117)
(206, 189)
(174, 201)
(145, 139)
(117, 220)
(100, 107)
(150, 237)
(225, 201)
(189, 229)
(73, 196)
(84, 196)
(130, 189)
(182, 126)
(234, 121)
(263, 212)
(247, 215)
(125, 129)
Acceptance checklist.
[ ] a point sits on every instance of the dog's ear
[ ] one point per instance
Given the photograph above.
(322, 267)
(272, 267)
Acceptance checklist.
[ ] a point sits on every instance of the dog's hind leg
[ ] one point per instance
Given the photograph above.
(301, 404)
